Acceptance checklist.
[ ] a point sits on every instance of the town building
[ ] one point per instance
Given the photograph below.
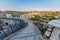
(4, 15)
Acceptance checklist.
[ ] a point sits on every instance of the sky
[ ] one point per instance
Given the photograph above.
(30, 5)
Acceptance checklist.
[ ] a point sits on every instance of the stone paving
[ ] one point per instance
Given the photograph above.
(31, 32)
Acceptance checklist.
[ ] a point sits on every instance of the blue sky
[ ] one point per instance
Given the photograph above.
(27, 5)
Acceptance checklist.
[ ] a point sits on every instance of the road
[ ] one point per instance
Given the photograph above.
(30, 32)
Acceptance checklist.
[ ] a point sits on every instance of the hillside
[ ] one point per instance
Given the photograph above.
(14, 13)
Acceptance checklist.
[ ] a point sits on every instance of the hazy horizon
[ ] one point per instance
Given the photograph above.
(30, 5)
